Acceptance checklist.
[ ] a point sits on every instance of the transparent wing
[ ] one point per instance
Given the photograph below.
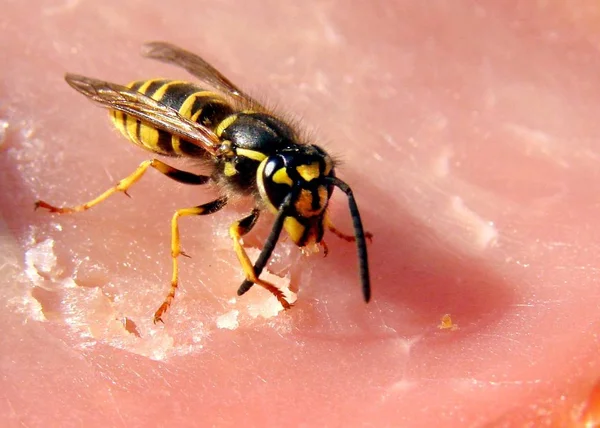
(140, 106)
(171, 54)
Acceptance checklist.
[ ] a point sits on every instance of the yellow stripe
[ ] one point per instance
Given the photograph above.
(117, 118)
(149, 137)
(186, 108)
(158, 95)
(160, 92)
(176, 144)
(144, 87)
(252, 154)
(224, 124)
(131, 126)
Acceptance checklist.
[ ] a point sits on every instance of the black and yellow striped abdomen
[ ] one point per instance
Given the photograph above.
(192, 102)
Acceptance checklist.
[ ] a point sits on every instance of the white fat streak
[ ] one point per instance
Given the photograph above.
(3, 130)
(28, 305)
(229, 320)
(539, 143)
(483, 231)
(441, 163)
(40, 258)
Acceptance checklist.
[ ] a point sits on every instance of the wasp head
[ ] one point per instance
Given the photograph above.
(302, 171)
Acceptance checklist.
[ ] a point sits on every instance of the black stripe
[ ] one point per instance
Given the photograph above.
(213, 111)
(138, 131)
(164, 143)
(136, 85)
(190, 149)
(316, 201)
(186, 177)
(177, 93)
(154, 86)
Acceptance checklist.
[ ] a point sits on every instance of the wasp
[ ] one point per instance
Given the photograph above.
(251, 151)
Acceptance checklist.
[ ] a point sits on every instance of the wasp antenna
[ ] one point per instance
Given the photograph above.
(359, 233)
(269, 246)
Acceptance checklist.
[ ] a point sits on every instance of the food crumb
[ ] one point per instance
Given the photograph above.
(447, 324)
(229, 320)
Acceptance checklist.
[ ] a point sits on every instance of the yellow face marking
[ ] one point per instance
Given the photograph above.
(309, 172)
(282, 177)
(224, 124)
(252, 154)
(294, 229)
(229, 169)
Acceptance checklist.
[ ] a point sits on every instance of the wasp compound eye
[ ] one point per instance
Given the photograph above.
(276, 182)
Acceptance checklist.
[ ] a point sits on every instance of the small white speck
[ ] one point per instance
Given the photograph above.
(3, 129)
(485, 232)
(403, 385)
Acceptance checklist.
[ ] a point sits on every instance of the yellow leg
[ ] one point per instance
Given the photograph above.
(204, 209)
(236, 231)
(127, 182)
(340, 234)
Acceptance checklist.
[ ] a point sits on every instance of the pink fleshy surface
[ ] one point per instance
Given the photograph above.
(470, 135)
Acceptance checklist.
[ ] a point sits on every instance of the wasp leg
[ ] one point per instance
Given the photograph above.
(270, 243)
(236, 231)
(127, 182)
(204, 209)
(350, 238)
